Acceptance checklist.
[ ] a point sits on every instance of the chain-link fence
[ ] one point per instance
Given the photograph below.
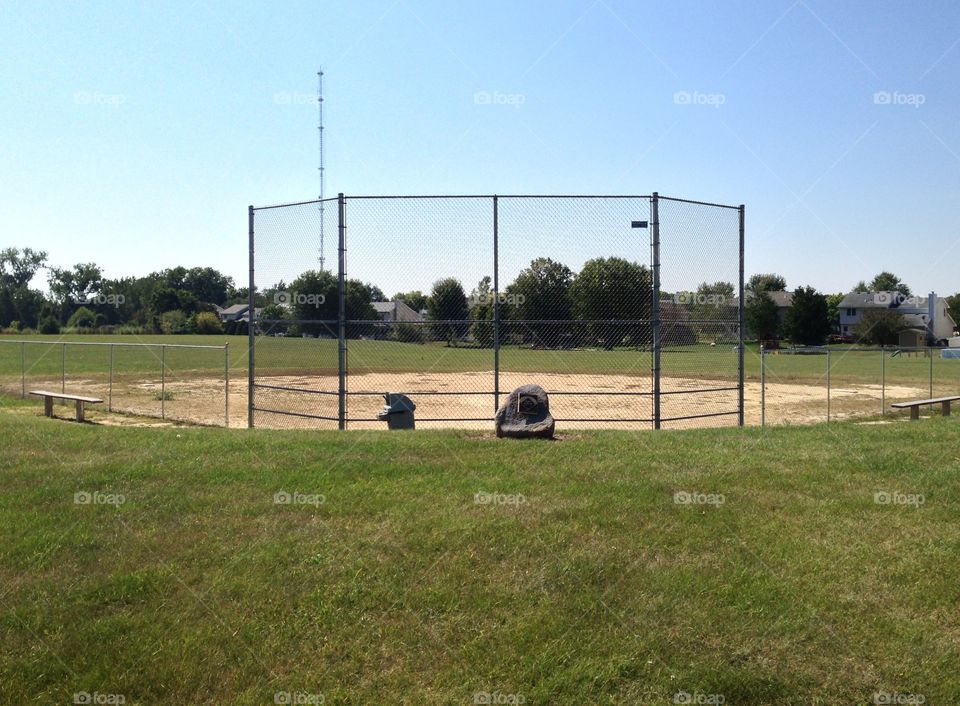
(804, 385)
(189, 383)
(627, 310)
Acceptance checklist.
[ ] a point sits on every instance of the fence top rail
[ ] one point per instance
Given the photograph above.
(699, 203)
(385, 197)
(117, 343)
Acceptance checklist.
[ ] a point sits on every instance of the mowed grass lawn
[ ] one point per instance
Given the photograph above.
(292, 356)
(581, 580)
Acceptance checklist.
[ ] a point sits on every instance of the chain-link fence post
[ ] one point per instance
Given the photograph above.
(496, 305)
(251, 337)
(110, 382)
(655, 304)
(341, 316)
(226, 385)
(883, 382)
(828, 385)
(23, 369)
(163, 381)
(763, 388)
(63, 368)
(740, 322)
(930, 353)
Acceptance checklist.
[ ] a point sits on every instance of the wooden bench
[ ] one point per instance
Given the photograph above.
(49, 397)
(915, 405)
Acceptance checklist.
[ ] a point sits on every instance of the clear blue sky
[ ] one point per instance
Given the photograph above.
(134, 135)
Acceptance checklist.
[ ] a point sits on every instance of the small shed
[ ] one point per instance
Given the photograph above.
(913, 338)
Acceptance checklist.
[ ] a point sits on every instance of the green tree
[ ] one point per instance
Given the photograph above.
(808, 319)
(889, 282)
(206, 322)
(769, 282)
(539, 293)
(18, 267)
(72, 287)
(207, 285)
(448, 306)
(416, 299)
(880, 327)
(82, 317)
(174, 321)
(833, 310)
(481, 311)
(614, 296)
(953, 304)
(861, 287)
(761, 316)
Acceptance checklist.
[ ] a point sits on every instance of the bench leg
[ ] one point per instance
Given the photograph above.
(48, 406)
(945, 408)
(79, 410)
(915, 412)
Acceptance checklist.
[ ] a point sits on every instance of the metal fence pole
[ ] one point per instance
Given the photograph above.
(110, 382)
(763, 388)
(496, 304)
(226, 385)
(828, 385)
(23, 370)
(163, 381)
(63, 368)
(930, 353)
(883, 382)
(655, 305)
(740, 323)
(251, 337)
(341, 316)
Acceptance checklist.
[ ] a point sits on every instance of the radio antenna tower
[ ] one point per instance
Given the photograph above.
(320, 133)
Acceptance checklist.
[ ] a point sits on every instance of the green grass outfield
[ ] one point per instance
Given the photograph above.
(280, 356)
(594, 587)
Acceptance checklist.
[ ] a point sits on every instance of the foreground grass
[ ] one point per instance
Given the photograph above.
(595, 587)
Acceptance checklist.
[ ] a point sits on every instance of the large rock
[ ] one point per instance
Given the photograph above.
(525, 414)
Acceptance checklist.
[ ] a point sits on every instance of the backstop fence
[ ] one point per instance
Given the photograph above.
(627, 310)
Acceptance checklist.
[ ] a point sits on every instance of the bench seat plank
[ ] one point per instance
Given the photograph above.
(64, 396)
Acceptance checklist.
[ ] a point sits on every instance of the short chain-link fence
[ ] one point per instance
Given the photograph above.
(627, 310)
(189, 383)
(805, 385)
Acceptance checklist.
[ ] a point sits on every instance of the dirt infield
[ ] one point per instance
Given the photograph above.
(469, 397)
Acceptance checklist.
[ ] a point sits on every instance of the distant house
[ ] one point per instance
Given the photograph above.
(927, 318)
(236, 312)
(396, 312)
(783, 300)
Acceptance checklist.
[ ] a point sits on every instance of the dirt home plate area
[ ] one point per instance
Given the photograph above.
(201, 400)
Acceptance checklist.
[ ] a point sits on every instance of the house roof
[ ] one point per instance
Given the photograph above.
(782, 299)
(235, 309)
(882, 300)
(384, 307)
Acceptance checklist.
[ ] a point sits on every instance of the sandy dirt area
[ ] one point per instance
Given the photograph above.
(469, 397)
